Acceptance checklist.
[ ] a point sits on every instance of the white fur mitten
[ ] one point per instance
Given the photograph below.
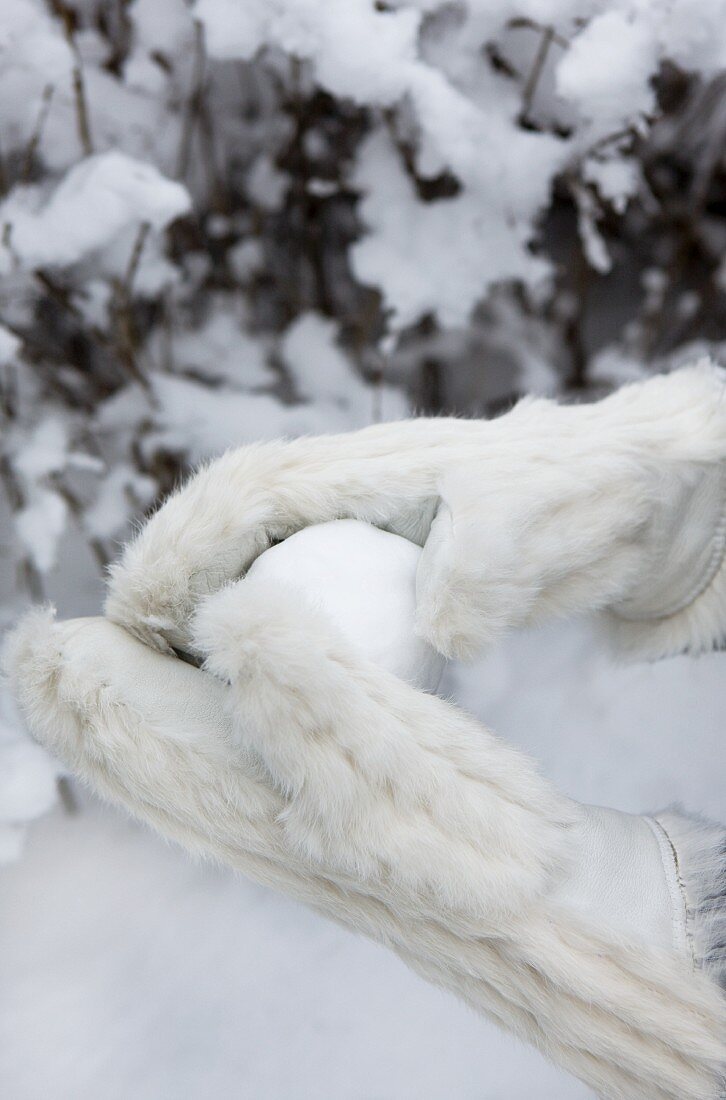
(618, 505)
(315, 771)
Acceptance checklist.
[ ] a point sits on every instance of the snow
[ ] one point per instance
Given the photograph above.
(266, 186)
(159, 24)
(195, 418)
(28, 39)
(33, 56)
(364, 580)
(45, 451)
(616, 180)
(190, 418)
(27, 782)
(371, 55)
(246, 259)
(39, 526)
(402, 250)
(150, 976)
(318, 366)
(41, 520)
(606, 72)
(10, 345)
(341, 40)
(693, 42)
(96, 201)
(109, 513)
(222, 348)
(322, 372)
(593, 244)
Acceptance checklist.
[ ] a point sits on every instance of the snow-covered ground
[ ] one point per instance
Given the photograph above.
(131, 973)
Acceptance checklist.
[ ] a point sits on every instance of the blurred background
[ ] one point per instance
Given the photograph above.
(227, 221)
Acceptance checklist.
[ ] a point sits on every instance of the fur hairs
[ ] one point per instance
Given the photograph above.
(390, 811)
(547, 510)
(700, 850)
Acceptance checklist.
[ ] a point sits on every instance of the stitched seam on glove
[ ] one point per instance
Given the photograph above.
(682, 942)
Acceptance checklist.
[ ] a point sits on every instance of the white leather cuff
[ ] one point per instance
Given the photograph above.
(624, 875)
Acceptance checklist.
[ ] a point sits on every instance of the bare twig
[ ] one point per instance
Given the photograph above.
(220, 200)
(16, 499)
(191, 116)
(6, 240)
(9, 392)
(135, 258)
(58, 293)
(32, 148)
(532, 25)
(535, 73)
(67, 17)
(126, 338)
(4, 181)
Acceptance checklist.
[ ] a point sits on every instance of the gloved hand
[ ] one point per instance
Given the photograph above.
(320, 774)
(547, 510)
(292, 758)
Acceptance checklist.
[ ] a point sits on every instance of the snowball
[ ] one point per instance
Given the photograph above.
(365, 580)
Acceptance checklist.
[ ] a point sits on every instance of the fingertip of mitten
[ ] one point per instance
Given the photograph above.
(23, 641)
(252, 628)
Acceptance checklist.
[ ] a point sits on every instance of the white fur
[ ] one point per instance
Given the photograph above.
(545, 511)
(700, 851)
(384, 808)
(381, 780)
(697, 628)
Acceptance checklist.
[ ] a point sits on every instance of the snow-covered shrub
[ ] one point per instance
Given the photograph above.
(225, 220)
